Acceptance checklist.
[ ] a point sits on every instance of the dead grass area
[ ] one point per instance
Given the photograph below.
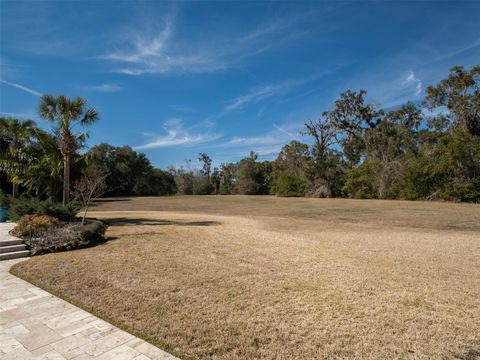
(269, 278)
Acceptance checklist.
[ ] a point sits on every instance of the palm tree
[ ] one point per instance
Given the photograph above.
(65, 113)
(18, 133)
(38, 166)
(43, 170)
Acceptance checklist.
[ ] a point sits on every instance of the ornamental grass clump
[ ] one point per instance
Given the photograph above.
(34, 225)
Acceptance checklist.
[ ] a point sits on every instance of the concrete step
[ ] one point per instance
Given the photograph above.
(10, 241)
(14, 255)
(12, 248)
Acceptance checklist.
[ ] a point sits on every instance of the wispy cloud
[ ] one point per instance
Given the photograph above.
(176, 135)
(251, 141)
(21, 87)
(19, 115)
(107, 88)
(164, 51)
(267, 145)
(457, 51)
(260, 93)
(411, 78)
(263, 145)
(155, 53)
(390, 91)
(286, 132)
(183, 109)
(266, 91)
(254, 96)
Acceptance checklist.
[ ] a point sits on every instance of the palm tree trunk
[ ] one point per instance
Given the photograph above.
(66, 180)
(14, 190)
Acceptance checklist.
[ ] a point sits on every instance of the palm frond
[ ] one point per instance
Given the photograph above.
(48, 108)
(90, 116)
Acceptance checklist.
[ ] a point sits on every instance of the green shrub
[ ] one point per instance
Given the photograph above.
(362, 181)
(226, 190)
(24, 206)
(290, 186)
(4, 199)
(450, 172)
(419, 179)
(55, 209)
(29, 205)
(92, 232)
(457, 164)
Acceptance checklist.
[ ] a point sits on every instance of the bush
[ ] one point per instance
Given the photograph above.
(202, 186)
(226, 190)
(4, 199)
(450, 172)
(34, 225)
(419, 179)
(362, 181)
(457, 165)
(68, 237)
(30, 205)
(92, 232)
(290, 186)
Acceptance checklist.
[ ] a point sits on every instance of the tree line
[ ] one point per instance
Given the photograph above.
(429, 150)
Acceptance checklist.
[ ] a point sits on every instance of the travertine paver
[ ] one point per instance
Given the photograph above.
(37, 325)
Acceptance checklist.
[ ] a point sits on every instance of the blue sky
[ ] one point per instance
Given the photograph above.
(176, 79)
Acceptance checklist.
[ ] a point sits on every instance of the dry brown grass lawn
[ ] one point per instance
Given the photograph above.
(269, 278)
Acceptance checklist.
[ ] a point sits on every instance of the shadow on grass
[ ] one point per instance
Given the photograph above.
(471, 354)
(123, 221)
(108, 200)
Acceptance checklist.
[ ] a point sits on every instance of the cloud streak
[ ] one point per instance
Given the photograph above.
(106, 88)
(254, 96)
(267, 145)
(176, 135)
(411, 78)
(155, 54)
(19, 115)
(266, 91)
(21, 87)
(164, 52)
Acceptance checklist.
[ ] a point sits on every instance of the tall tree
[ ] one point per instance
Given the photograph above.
(351, 117)
(64, 114)
(206, 164)
(459, 93)
(391, 144)
(253, 178)
(228, 174)
(325, 170)
(17, 133)
(293, 159)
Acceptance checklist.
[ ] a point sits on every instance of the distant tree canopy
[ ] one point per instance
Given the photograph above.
(355, 149)
(130, 173)
(426, 151)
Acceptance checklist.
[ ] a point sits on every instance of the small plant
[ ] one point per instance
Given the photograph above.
(90, 186)
(34, 225)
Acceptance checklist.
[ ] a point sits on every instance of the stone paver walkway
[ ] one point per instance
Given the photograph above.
(37, 325)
